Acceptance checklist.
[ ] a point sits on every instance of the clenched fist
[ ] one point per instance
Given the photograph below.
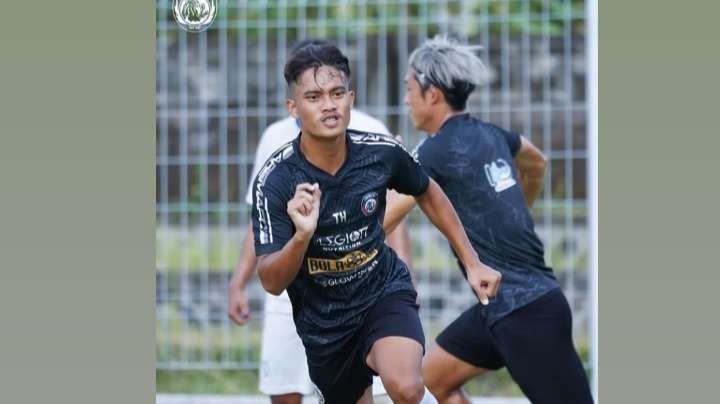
(238, 305)
(484, 280)
(304, 208)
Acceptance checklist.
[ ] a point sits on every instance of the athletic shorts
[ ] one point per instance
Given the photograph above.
(283, 365)
(342, 377)
(534, 342)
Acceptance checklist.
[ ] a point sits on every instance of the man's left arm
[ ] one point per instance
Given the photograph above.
(399, 240)
(410, 179)
(484, 280)
(398, 206)
(530, 162)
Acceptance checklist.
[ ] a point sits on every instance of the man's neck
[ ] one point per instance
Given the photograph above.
(440, 118)
(325, 154)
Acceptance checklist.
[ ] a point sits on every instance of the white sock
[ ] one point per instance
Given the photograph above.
(428, 398)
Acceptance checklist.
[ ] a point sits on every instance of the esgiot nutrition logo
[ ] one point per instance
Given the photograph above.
(194, 15)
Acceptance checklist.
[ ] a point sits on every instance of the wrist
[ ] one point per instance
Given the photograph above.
(477, 267)
(303, 236)
(237, 284)
(471, 260)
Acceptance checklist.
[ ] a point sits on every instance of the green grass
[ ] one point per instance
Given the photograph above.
(188, 343)
(207, 381)
(493, 384)
(245, 382)
(197, 250)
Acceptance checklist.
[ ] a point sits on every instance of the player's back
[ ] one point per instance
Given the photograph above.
(472, 162)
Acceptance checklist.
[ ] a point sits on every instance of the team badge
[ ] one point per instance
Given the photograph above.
(369, 203)
(499, 174)
(194, 15)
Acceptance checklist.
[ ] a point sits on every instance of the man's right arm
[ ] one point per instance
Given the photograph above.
(238, 302)
(277, 269)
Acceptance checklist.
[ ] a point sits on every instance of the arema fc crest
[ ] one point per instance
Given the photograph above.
(369, 203)
(194, 15)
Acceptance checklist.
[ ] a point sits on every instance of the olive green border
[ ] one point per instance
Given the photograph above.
(77, 150)
(659, 197)
(76, 221)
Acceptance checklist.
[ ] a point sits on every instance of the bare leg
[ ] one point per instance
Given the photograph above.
(367, 397)
(444, 374)
(292, 398)
(382, 399)
(398, 361)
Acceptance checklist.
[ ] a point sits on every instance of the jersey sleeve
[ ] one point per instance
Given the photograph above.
(256, 166)
(431, 159)
(272, 226)
(513, 140)
(407, 175)
(267, 145)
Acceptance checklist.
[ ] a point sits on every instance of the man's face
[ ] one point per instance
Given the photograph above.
(322, 101)
(419, 107)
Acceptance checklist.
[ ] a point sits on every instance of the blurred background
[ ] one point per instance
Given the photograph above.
(219, 89)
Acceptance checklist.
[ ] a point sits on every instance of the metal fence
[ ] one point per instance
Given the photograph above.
(218, 90)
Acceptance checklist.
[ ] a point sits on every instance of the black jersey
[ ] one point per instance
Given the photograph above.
(472, 161)
(347, 266)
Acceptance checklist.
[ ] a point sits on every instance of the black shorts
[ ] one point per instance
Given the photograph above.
(535, 344)
(344, 376)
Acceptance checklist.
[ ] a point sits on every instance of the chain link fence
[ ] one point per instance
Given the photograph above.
(218, 90)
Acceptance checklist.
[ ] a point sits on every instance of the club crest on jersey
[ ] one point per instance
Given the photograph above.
(369, 203)
(499, 174)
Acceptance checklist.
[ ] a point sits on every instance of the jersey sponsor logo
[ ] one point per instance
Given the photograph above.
(350, 262)
(342, 280)
(338, 240)
(499, 174)
(369, 203)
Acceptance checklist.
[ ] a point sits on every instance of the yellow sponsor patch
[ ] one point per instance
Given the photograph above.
(351, 261)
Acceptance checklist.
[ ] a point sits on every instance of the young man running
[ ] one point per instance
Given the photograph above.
(491, 176)
(318, 206)
(283, 373)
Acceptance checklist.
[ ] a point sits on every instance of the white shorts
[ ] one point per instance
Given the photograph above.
(283, 365)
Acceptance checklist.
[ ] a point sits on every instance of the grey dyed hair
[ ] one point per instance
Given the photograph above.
(446, 64)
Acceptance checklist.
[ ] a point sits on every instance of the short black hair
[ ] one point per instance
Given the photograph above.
(456, 96)
(311, 54)
(309, 41)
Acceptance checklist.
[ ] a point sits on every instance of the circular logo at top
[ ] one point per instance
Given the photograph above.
(194, 15)
(369, 203)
